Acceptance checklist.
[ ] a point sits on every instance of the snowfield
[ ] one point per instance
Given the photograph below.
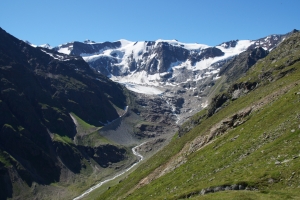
(137, 64)
(145, 83)
(143, 89)
(139, 81)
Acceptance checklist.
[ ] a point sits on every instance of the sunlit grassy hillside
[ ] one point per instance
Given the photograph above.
(252, 143)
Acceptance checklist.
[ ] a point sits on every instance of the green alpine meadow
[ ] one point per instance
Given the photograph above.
(244, 145)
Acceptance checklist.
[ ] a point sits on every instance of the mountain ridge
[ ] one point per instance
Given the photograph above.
(158, 62)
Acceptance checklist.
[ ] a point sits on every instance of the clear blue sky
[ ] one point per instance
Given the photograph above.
(203, 21)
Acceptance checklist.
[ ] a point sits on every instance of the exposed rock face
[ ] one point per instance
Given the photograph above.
(106, 66)
(234, 92)
(217, 102)
(239, 89)
(270, 42)
(241, 63)
(229, 44)
(166, 54)
(231, 122)
(222, 188)
(77, 48)
(210, 52)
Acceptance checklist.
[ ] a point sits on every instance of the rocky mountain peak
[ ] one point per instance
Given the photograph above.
(156, 62)
(229, 44)
(87, 41)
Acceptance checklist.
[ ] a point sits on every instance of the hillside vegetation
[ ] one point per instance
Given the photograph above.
(51, 106)
(244, 146)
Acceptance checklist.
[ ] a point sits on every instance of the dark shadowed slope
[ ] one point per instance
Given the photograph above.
(39, 89)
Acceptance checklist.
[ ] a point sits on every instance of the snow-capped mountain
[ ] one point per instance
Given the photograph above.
(174, 70)
(161, 62)
(46, 46)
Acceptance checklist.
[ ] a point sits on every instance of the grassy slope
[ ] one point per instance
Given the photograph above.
(271, 135)
(88, 176)
(87, 134)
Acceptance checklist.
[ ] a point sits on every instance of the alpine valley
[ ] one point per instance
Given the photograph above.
(187, 120)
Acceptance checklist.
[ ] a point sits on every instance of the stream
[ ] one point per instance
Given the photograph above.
(116, 176)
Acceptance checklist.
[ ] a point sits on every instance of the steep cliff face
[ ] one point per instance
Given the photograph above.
(39, 89)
